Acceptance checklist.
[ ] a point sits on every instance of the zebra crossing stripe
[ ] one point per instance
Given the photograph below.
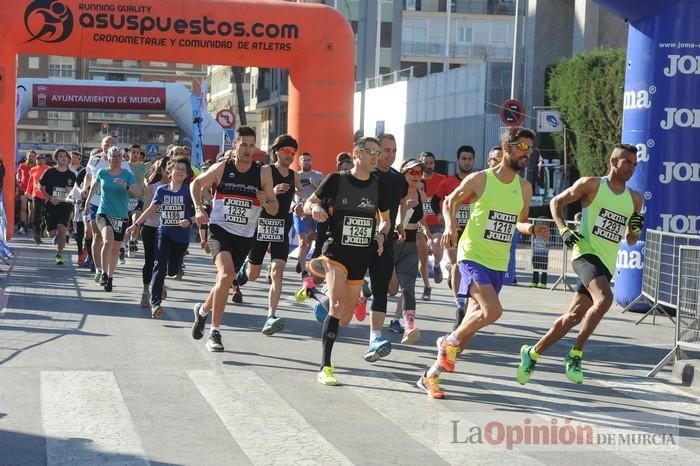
(248, 406)
(86, 420)
(427, 421)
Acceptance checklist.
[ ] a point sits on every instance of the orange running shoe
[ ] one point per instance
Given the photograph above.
(82, 258)
(361, 309)
(431, 386)
(447, 354)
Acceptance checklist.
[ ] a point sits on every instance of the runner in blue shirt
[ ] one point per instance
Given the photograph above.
(176, 219)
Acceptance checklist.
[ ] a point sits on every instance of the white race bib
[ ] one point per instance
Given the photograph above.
(463, 215)
(357, 231)
(610, 226)
(133, 202)
(172, 214)
(237, 211)
(271, 229)
(117, 224)
(500, 226)
(60, 194)
(427, 207)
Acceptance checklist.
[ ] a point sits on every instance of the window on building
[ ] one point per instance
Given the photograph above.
(104, 61)
(465, 34)
(412, 5)
(385, 38)
(116, 77)
(130, 63)
(184, 65)
(480, 33)
(33, 114)
(33, 63)
(60, 70)
(415, 33)
(499, 33)
(159, 64)
(126, 134)
(63, 137)
(156, 137)
(60, 120)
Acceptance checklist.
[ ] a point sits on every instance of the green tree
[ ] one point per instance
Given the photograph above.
(588, 89)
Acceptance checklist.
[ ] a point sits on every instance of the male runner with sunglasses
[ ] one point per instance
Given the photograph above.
(500, 204)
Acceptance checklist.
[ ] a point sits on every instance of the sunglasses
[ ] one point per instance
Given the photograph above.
(287, 150)
(523, 146)
(371, 151)
(415, 172)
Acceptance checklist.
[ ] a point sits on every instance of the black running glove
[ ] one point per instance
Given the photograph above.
(570, 237)
(636, 223)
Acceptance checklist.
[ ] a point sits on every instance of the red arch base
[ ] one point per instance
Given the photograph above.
(314, 42)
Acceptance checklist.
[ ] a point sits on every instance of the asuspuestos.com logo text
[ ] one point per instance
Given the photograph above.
(191, 26)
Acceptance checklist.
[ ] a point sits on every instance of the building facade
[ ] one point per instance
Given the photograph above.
(399, 40)
(43, 130)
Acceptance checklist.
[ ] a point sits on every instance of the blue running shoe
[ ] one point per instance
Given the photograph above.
(378, 349)
(320, 312)
(395, 326)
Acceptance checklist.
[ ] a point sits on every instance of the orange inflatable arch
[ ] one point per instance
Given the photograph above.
(314, 42)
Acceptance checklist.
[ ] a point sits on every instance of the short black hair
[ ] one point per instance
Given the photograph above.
(495, 148)
(426, 154)
(627, 147)
(469, 149)
(245, 131)
(135, 146)
(58, 151)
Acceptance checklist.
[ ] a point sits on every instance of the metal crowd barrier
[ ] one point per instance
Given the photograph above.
(687, 334)
(660, 273)
(557, 258)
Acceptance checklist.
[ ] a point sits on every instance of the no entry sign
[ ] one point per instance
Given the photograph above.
(512, 113)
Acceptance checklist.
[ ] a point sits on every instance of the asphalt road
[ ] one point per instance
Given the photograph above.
(87, 377)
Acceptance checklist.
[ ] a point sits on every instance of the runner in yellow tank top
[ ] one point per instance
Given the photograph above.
(500, 202)
(610, 214)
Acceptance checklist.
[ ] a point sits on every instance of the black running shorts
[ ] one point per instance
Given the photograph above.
(588, 267)
(221, 240)
(118, 225)
(57, 215)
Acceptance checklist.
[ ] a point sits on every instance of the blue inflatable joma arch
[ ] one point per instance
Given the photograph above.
(662, 117)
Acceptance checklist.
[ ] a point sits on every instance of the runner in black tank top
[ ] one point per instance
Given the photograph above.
(273, 230)
(355, 197)
(243, 190)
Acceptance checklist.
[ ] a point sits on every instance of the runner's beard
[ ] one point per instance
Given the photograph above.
(515, 164)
